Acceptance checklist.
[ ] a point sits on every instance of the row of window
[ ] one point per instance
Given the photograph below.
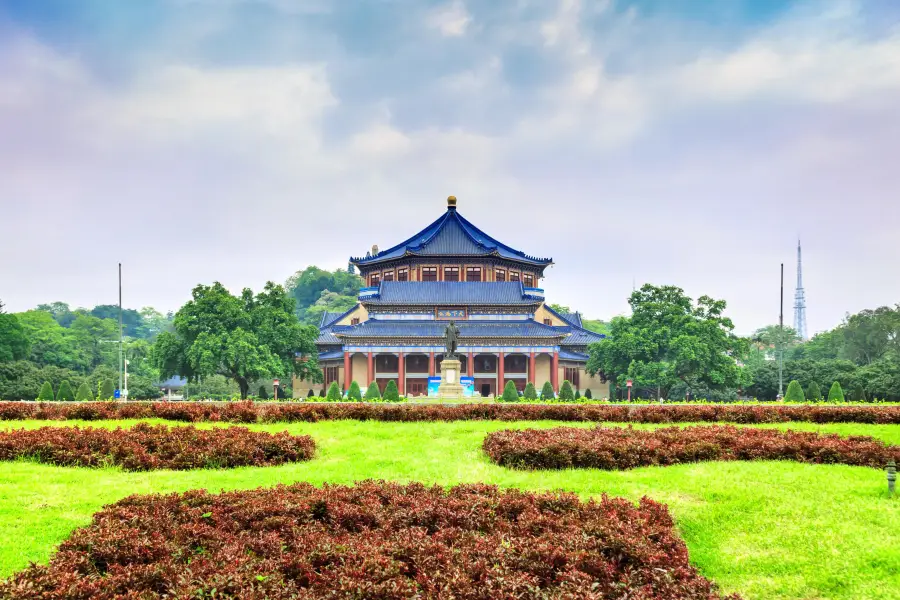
(451, 274)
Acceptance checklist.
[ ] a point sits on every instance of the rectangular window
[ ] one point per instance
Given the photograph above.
(354, 321)
(528, 280)
(429, 273)
(500, 274)
(571, 374)
(548, 321)
(402, 274)
(473, 273)
(513, 276)
(388, 275)
(451, 273)
(374, 279)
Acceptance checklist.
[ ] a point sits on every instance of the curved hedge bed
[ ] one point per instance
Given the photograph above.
(616, 448)
(373, 540)
(249, 412)
(146, 447)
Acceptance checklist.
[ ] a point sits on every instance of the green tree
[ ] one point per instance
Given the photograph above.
(670, 339)
(65, 393)
(333, 291)
(243, 338)
(105, 390)
(547, 391)
(813, 392)
(510, 393)
(577, 394)
(530, 393)
(14, 343)
(595, 325)
(51, 343)
(858, 394)
(84, 393)
(263, 393)
(560, 308)
(870, 334)
(794, 392)
(566, 394)
(46, 394)
(59, 311)
(588, 394)
(372, 393)
(141, 387)
(880, 379)
(836, 394)
(391, 393)
(92, 335)
(132, 322)
(334, 392)
(354, 392)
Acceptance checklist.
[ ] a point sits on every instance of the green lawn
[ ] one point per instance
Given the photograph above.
(765, 530)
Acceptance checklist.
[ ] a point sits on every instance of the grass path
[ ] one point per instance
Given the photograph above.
(765, 530)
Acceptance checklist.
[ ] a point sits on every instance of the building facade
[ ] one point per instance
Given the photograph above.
(451, 270)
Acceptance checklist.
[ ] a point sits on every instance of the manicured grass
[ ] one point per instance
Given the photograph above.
(765, 530)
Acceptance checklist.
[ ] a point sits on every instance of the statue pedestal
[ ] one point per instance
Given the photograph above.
(450, 386)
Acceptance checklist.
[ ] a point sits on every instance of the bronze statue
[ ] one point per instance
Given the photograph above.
(451, 340)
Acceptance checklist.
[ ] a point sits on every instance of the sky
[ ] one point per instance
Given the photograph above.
(650, 141)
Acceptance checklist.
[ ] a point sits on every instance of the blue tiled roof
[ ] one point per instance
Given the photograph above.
(330, 317)
(582, 337)
(451, 293)
(331, 354)
(451, 235)
(326, 336)
(572, 318)
(572, 355)
(435, 329)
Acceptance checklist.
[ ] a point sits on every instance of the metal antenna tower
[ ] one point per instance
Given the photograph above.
(800, 300)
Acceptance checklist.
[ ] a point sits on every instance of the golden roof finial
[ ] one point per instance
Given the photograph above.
(451, 201)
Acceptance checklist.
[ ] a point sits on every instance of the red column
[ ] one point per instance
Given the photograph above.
(554, 372)
(500, 375)
(347, 373)
(470, 365)
(401, 375)
(531, 369)
(431, 364)
(371, 368)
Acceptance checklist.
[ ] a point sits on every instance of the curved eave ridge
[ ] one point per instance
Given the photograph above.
(451, 235)
(451, 293)
(374, 328)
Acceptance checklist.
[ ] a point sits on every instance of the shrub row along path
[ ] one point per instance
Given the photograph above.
(374, 540)
(145, 447)
(765, 530)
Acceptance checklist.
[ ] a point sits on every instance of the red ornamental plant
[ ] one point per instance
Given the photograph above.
(616, 448)
(373, 540)
(145, 447)
(250, 412)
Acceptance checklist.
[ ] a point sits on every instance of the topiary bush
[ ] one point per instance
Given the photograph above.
(65, 393)
(311, 394)
(46, 393)
(391, 393)
(547, 391)
(858, 394)
(354, 392)
(105, 390)
(566, 394)
(836, 394)
(334, 392)
(577, 395)
(794, 392)
(813, 392)
(510, 393)
(84, 393)
(373, 394)
(263, 393)
(530, 393)
(587, 394)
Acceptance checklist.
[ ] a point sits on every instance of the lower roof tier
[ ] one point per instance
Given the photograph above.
(433, 329)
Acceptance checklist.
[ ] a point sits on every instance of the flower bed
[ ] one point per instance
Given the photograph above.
(249, 412)
(617, 448)
(145, 447)
(373, 540)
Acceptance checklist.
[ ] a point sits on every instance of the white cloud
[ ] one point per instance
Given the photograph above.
(452, 19)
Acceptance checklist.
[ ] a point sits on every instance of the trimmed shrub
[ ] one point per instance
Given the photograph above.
(547, 392)
(813, 392)
(530, 393)
(794, 392)
(84, 393)
(577, 395)
(372, 540)
(354, 394)
(334, 392)
(565, 392)
(311, 394)
(836, 394)
(858, 394)
(391, 393)
(65, 393)
(105, 390)
(46, 393)
(510, 393)
(616, 448)
(145, 447)
(588, 395)
(373, 394)
(263, 393)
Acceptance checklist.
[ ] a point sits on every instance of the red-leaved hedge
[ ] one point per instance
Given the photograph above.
(250, 412)
(616, 448)
(373, 540)
(145, 447)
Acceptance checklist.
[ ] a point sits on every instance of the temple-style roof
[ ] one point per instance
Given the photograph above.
(582, 337)
(452, 293)
(572, 355)
(572, 318)
(376, 328)
(330, 317)
(331, 354)
(451, 235)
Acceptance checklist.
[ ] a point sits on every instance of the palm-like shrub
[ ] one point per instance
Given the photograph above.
(566, 393)
(510, 393)
(334, 392)
(354, 393)
(46, 393)
(547, 391)
(391, 393)
(813, 392)
(65, 393)
(84, 393)
(530, 393)
(836, 393)
(373, 394)
(794, 392)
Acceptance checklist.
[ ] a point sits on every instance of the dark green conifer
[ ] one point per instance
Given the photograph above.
(566, 394)
(588, 394)
(105, 390)
(858, 394)
(373, 394)
(311, 393)
(813, 392)
(547, 391)
(391, 393)
(530, 393)
(263, 393)
(334, 392)
(510, 393)
(65, 393)
(794, 392)
(354, 394)
(836, 394)
(84, 393)
(46, 393)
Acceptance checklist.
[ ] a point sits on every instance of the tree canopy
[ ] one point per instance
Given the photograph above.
(316, 290)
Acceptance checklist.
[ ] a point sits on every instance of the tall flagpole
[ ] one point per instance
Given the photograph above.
(121, 389)
(781, 339)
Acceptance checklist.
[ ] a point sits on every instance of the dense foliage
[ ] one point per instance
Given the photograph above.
(373, 540)
(242, 338)
(615, 448)
(145, 447)
(46, 393)
(510, 393)
(249, 412)
(317, 291)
